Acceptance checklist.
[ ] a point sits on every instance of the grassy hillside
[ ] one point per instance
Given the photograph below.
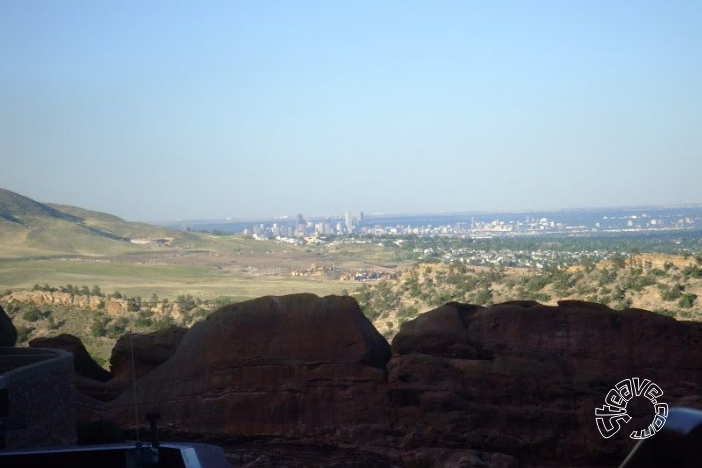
(14, 207)
(106, 223)
(32, 229)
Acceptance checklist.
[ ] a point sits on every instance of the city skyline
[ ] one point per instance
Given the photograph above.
(595, 222)
(155, 111)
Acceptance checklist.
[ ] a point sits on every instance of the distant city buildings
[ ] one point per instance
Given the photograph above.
(573, 223)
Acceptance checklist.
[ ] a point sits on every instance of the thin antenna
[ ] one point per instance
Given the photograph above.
(134, 380)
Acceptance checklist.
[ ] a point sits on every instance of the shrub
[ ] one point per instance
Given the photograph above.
(672, 293)
(134, 304)
(618, 260)
(186, 302)
(666, 312)
(537, 283)
(99, 326)
(409, 312)
(118, 327)
(638, 282)
(483, 297)
(23, 333)
(692, 271)
(687, 300)
(32, 315)
(143, 321)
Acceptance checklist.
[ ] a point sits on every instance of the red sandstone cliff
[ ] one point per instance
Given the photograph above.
(525, 379)
(305, 380)
(293, 366)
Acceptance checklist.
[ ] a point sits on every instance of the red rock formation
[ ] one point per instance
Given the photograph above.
(150, 351)
(305, 378)
(84, 364)
(525, 379)
(294, 366)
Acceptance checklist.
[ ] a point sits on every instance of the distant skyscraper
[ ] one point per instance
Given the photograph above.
(300, 226)
(349, 222)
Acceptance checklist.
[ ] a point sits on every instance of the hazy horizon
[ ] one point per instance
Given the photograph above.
(341, 213)
(158, 111)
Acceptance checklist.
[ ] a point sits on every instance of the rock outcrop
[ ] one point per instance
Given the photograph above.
(112, 306)
(524, 379)
(309, 379)
(84, 364)
(292, 366)
(61, 299)
(8, 332)
(150, 351)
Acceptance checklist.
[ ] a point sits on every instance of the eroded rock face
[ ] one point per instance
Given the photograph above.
(524, 379)
(293, 366)
(150, 351)
(306, 378)
(84, 364)
(8, 332)
(57, 298)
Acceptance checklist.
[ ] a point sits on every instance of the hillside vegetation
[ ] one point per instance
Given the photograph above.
(664, 284)
(668, 285)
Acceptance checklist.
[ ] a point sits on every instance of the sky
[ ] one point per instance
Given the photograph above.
(168, 110)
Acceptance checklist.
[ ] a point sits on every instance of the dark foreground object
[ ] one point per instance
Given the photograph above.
(678, 444)
(171, 455)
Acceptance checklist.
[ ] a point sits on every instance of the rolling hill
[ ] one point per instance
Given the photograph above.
(31, 228)
(15, 207)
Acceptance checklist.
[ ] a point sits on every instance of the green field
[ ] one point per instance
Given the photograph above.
(163, 280)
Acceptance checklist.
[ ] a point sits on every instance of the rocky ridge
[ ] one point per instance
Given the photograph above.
(112, 306)
(302, 378)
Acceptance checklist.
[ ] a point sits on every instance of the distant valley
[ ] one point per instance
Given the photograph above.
(69, 270)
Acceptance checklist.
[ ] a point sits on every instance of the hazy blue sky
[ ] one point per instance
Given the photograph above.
(188, 110)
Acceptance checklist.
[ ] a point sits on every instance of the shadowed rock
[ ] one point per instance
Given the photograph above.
(150, 351)
(524, 379)
(306, 378)
(84, 364)
(8, 332)
(296, 365)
